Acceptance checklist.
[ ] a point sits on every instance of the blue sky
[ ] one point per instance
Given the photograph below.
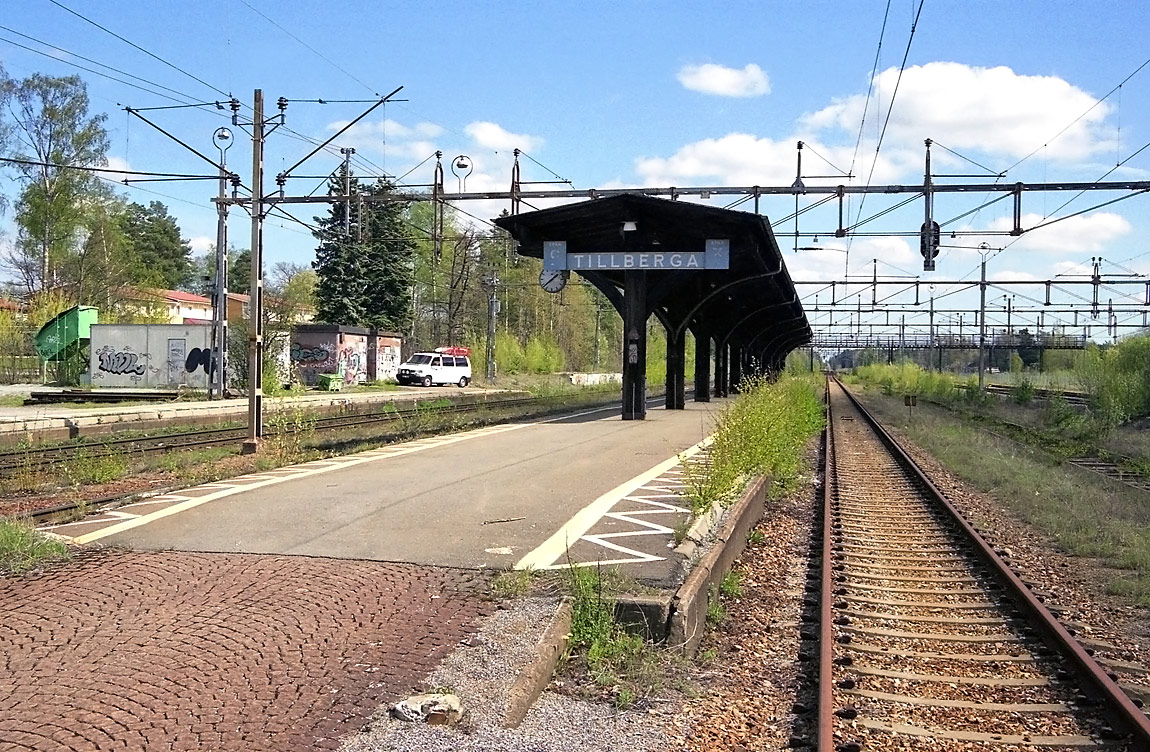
(611, 94)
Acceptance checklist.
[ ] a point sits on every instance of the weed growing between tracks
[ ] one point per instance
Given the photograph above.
(1086, 515)
(22, 547)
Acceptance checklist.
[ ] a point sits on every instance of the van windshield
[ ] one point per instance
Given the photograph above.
(419, 360)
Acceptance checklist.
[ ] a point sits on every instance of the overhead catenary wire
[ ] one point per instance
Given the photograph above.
(314, 51)
(34, 163)
(106, 30)
(967, 159)
(889, 111)
(93, 62)
(96, 72)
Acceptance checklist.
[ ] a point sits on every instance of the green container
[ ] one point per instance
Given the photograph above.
(69, 328)
(329, 382)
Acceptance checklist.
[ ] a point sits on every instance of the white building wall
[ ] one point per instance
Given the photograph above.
(156, 356)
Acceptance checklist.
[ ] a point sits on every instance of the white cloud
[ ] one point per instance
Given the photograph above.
(829, 262)
(493, 136)
(722, 81)
(745, 159)
(1010, 274)
(201, 243)
(115, 163)
(992, 110)
(389, 137)
(1084, 234)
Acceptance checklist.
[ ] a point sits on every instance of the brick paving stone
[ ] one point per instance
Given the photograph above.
(143, 651)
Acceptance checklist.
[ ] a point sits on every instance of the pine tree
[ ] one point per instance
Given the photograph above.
(340, 284)
(388, 261)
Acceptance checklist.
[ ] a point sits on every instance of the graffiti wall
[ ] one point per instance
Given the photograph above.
(151, 356)
(317, 349)
(388, 357)
(359, 355)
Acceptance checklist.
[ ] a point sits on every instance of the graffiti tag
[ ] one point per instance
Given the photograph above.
(121, 363)
(198, 358)
(351, 365)
(317, 354)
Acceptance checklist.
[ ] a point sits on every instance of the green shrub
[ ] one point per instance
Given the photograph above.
(508, 354)
(1023, 391)
(764, 432)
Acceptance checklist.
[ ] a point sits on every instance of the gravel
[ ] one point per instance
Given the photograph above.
(482, 673)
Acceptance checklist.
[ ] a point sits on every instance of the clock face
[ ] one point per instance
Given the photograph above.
(553, 281)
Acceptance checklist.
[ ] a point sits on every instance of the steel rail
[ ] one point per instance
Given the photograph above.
(826, 709)
(1119, 706)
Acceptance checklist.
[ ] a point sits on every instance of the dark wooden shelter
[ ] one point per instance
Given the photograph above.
(656, 256)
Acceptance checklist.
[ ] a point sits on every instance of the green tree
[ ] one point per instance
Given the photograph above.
(340, 282)
(163, 259)
(52, 130)
(386, 262)
(239, 270)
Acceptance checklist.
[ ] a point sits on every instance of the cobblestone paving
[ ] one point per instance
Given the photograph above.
(147, 651)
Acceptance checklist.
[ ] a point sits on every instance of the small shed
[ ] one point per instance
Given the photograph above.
(153, 356)
(359, 355)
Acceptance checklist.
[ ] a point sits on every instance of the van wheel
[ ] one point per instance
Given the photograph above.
(464, 381)
(427, 381)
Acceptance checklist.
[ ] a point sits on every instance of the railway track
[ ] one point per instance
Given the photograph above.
(1079, 399)
(927, 639)
(34, 458)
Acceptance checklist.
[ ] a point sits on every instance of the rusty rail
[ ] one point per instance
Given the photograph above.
(826, 628)
(1118, 706)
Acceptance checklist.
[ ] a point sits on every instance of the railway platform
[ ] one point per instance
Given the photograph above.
(281, 609)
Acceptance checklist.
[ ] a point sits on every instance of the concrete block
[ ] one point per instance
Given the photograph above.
(647, 615)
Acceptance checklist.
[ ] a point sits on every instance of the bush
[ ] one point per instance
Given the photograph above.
(763, 433)
(508, 354)
(543, 356)
(1117, 379)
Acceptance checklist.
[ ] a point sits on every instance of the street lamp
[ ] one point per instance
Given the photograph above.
(217, 379)
(461, 167)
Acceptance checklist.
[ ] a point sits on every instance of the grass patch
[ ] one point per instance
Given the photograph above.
(1085, 514)
(620, 663)
(84, 469)
(764, 432)
(756, 537)
(513, 584)
(732, 584)
(22, 547)
(716, 613)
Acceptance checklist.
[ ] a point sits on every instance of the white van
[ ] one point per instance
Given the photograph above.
(448, 365)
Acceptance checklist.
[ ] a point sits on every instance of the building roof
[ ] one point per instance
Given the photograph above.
(751, 304)
(174, 296)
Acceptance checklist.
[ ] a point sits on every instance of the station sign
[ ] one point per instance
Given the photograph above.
(716, 256)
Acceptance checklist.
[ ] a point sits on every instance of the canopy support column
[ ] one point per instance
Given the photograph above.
(676, 373)
(634, 344)
(702, 366)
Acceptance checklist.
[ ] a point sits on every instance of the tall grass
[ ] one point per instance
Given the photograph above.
(22, 547)
(764, 432)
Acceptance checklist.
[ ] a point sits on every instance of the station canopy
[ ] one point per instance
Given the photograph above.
(736, 292)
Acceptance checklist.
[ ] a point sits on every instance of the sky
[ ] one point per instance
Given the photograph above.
(627, 94)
